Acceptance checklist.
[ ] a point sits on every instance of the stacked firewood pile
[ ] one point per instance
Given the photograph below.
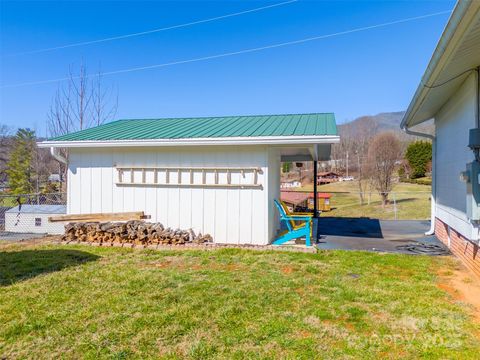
(131, 232)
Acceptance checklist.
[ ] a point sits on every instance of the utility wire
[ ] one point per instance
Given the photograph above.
(451, 79)
(90, 42)
(245, 51)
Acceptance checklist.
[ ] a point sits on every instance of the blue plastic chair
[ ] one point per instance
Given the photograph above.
(293, 231)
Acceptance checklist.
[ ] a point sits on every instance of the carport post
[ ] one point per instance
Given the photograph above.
(315, 196)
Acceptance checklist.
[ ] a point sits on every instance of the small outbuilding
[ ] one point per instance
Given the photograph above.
(216, 175)
(294, 199)
(323, 201)
(34, 219)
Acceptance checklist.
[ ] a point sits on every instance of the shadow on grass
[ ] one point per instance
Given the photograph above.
(21, 265)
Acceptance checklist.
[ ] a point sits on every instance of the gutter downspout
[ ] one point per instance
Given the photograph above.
(431, 231)
(57, 156)
(477, 124)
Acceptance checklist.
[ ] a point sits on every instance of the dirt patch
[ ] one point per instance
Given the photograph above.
(462, 286)
(163, 265)
(29, 242)
(228, 267)
(287, 269)
(179, 264)
(304, 334)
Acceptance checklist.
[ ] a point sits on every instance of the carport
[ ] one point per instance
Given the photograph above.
(399, 236)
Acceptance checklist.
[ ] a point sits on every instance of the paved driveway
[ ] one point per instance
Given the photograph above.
(373, 234)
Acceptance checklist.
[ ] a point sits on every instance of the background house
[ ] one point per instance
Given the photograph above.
(290, 184)
(449, 93)
(327, 177)
(34, 219)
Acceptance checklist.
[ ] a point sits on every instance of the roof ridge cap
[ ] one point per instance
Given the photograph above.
(224, 116)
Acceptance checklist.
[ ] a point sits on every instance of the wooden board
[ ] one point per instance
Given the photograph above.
(136, 215)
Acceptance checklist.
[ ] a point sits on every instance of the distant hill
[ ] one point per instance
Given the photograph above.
(385, 121)
(389, 121)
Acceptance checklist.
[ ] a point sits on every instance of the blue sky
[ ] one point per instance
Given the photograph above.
(351, 75)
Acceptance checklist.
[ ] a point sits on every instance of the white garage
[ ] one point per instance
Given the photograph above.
(216, 175)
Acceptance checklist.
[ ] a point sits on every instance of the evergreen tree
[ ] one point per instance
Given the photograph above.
(286, 167)
(418, 155)
(20, 170)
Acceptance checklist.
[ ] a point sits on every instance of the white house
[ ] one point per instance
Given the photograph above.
(216, 175)
(34, 219)
(449, 93)
(291, 184)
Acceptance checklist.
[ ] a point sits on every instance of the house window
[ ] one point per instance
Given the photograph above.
(38, 221)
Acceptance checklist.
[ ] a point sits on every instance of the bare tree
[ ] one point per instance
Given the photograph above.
(354, 140)
(104, 101)
(383, 153)
(81, 102)
(364, 132)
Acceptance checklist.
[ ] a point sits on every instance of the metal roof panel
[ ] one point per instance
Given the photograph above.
(205, 127)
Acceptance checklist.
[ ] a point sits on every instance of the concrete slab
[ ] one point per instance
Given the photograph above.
(373, 234)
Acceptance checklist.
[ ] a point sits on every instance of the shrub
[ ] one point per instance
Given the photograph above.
(419, 155)
(423, 181)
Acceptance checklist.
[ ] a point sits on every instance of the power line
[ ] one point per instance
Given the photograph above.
(245, 51)
(451, 79)
(90, 42)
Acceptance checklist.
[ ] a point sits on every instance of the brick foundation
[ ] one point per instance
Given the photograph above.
(460, 246)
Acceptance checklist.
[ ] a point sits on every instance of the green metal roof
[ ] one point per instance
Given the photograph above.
(209, 127)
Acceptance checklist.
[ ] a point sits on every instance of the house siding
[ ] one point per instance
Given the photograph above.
(235, 216)
(452, 123)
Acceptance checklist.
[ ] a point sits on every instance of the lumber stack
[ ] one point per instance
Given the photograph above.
(100, 217)
(131, 232)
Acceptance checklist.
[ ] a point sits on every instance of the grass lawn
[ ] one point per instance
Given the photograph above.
(89, 302)
(413, 201)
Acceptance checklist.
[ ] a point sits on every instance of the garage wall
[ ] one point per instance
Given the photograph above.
(453, 123)
(237, 216)
(274, 164)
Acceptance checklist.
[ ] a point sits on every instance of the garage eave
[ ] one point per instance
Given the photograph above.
(266, 140)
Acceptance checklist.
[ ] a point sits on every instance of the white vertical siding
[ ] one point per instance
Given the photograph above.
(229, 215)
(86, 183)
(273, 191)
(150, 192)
(453, 123)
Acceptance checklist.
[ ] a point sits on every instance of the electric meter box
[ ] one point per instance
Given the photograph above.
(474, 138)
(473, 190)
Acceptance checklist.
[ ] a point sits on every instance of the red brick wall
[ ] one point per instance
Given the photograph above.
(465, 250)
